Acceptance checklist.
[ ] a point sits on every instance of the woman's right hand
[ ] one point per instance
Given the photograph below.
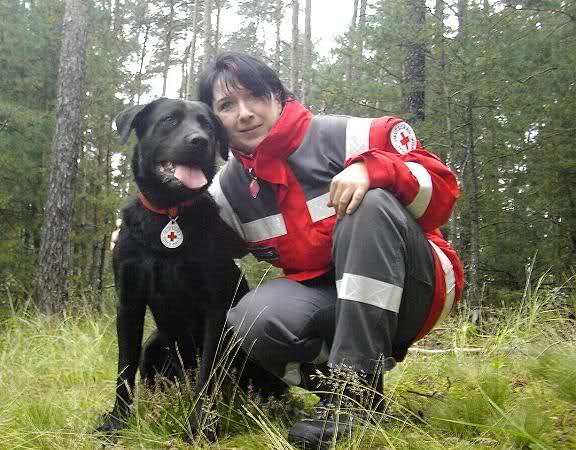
(348, 188)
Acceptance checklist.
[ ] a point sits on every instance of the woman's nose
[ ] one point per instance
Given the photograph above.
(244, 111)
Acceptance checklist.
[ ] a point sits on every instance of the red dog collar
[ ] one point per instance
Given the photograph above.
(170, 212)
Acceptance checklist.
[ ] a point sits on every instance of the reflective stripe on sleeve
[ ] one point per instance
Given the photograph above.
(318, 208)
(422, 200)
(357, 135)
(450, 281)
(266, 228)
(367, 290)
(226, 212)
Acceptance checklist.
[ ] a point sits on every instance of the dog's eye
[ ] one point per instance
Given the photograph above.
(205, 122)
(169, 121)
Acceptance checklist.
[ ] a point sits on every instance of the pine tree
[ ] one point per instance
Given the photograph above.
(52, 285)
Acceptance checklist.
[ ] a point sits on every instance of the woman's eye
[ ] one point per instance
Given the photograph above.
(225, 106)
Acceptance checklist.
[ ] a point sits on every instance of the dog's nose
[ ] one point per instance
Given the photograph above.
(197, 141)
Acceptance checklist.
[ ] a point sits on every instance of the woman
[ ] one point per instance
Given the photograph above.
(349, 209)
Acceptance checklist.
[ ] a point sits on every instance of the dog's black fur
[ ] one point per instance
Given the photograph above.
(190, 288)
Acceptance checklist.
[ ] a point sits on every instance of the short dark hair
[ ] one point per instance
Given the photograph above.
(236, 69)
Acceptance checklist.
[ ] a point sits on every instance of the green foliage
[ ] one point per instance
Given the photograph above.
(257, 272)
(25, 136)
(29, 48)
(512, 61)
(516, 66)
(477, 390)
(557, 369)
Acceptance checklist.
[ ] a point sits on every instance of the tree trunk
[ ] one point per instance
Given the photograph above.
(307, 60)
(352, 40)
(217, 30)
(415, 63)
(190, 79)
(295, 60)
(362, 26)
(140, 73)
(208, 47)
(445, 106)
(470, 173)
(278, 25)
(474, 205)
(167, 48)
(52, 285)
(440, 43)
(183, 73)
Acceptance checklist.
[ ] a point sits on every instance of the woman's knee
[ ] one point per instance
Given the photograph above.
(379, 213)
(247, 320)
(259, 315)
(378, 203)
(277, 317)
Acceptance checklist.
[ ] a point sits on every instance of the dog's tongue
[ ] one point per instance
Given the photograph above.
(191, 177)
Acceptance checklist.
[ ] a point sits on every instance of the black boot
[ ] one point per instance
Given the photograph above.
(328, 424)
(342, 405)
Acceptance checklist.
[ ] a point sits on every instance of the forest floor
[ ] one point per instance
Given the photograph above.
(509, 383)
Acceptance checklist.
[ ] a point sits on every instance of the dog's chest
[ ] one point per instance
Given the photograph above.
(191, 235)
(177, 276)
(181, 272)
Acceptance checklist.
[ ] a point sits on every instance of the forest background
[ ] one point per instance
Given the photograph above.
(488, 85)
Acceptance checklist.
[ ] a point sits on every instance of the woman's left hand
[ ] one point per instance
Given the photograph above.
(348, 188)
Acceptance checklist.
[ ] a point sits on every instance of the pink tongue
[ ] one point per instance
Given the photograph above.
(191, 177)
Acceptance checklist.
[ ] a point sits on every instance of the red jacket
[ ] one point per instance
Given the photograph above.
(289, 224)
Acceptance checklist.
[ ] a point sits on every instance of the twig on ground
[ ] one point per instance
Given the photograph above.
(450, 350)
(553, 345)
(424, 394)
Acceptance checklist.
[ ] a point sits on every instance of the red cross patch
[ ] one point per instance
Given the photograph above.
(403, 138)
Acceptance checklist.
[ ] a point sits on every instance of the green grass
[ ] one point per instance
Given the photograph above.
(57, 375)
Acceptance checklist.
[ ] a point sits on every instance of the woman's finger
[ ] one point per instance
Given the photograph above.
(357, 198)
(333, 189)
(344, 200)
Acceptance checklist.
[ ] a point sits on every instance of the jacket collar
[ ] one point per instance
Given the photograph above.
(267, 160)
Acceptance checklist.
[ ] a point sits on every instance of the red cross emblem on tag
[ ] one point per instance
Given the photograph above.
(172, 236)
(402, 138)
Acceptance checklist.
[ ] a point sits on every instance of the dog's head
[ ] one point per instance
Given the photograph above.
(175, 158)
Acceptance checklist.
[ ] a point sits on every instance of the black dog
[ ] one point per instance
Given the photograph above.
(174, 254)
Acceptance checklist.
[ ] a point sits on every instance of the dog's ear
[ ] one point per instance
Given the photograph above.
(125, 121)
(221, 136)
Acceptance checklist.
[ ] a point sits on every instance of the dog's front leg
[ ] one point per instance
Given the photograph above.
(129, 328)
(207, 377)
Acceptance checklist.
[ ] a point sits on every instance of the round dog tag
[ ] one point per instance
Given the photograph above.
(172, 235)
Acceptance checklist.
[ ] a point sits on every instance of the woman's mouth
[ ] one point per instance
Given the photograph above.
(248, 130)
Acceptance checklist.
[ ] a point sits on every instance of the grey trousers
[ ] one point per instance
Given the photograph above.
(368, 310)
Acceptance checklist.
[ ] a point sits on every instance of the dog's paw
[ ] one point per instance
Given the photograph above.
(111, 423)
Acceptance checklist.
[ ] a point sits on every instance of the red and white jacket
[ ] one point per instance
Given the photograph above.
(289, 224)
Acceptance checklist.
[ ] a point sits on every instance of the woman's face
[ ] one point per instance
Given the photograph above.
(247, 118)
